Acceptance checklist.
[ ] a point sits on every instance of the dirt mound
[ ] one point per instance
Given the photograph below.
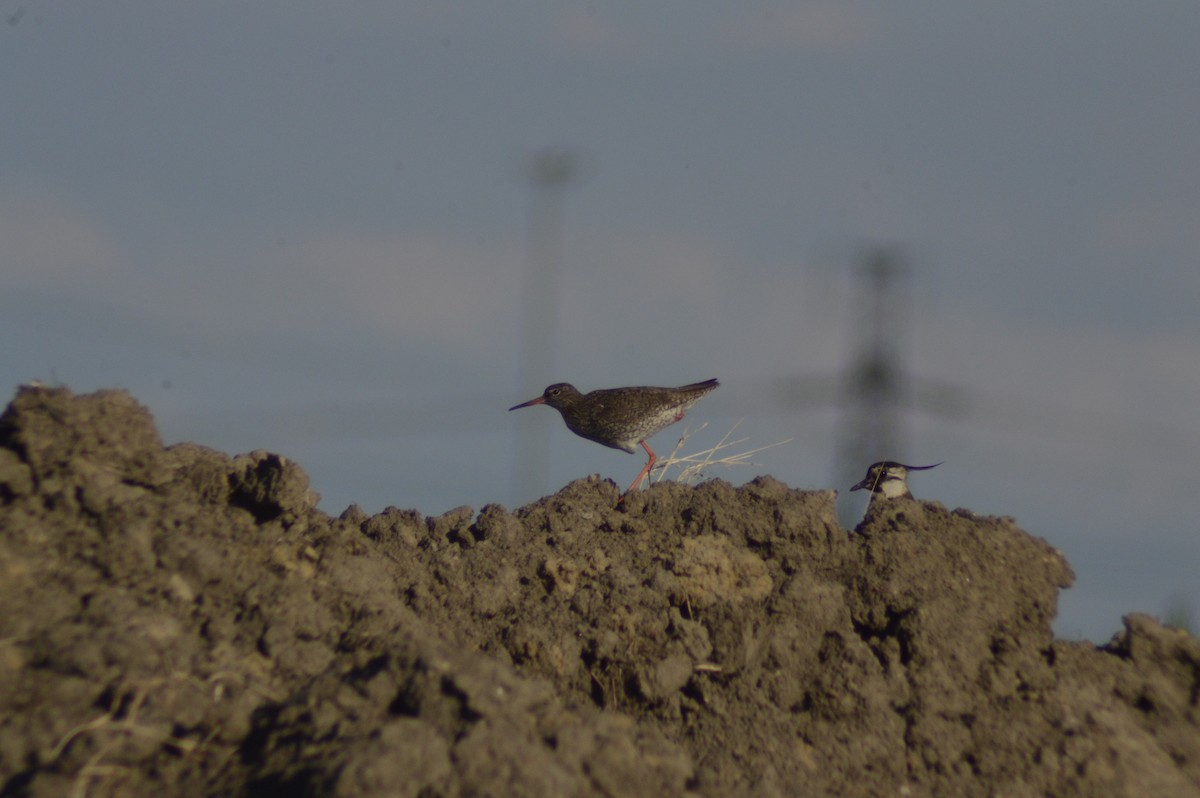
(180, 622)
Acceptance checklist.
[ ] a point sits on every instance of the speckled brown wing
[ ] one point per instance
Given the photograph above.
(622, 417)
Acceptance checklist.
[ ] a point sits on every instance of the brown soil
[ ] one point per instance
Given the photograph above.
(181, 622)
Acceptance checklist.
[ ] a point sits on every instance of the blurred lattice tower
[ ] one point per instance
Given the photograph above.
(873, 390)
(876, 391)
(550, 172)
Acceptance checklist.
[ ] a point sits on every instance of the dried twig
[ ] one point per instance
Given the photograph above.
(693, 465)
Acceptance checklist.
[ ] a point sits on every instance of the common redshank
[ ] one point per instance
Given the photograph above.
(621, 418)
(889, 480)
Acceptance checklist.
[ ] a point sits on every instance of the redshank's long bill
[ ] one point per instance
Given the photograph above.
(622, 418)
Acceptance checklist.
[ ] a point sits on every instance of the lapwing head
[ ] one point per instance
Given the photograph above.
(889, 479)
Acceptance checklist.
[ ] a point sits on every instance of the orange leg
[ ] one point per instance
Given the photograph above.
(644, 472)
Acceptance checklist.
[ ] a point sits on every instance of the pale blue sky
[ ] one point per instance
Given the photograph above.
(302, 227)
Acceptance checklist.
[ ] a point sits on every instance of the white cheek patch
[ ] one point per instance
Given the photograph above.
(893, 488)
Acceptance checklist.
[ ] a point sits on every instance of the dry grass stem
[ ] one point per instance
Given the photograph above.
(112, 730)
(693, 466)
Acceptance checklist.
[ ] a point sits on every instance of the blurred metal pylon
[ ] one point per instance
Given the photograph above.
(549, 172)
(875, 389)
